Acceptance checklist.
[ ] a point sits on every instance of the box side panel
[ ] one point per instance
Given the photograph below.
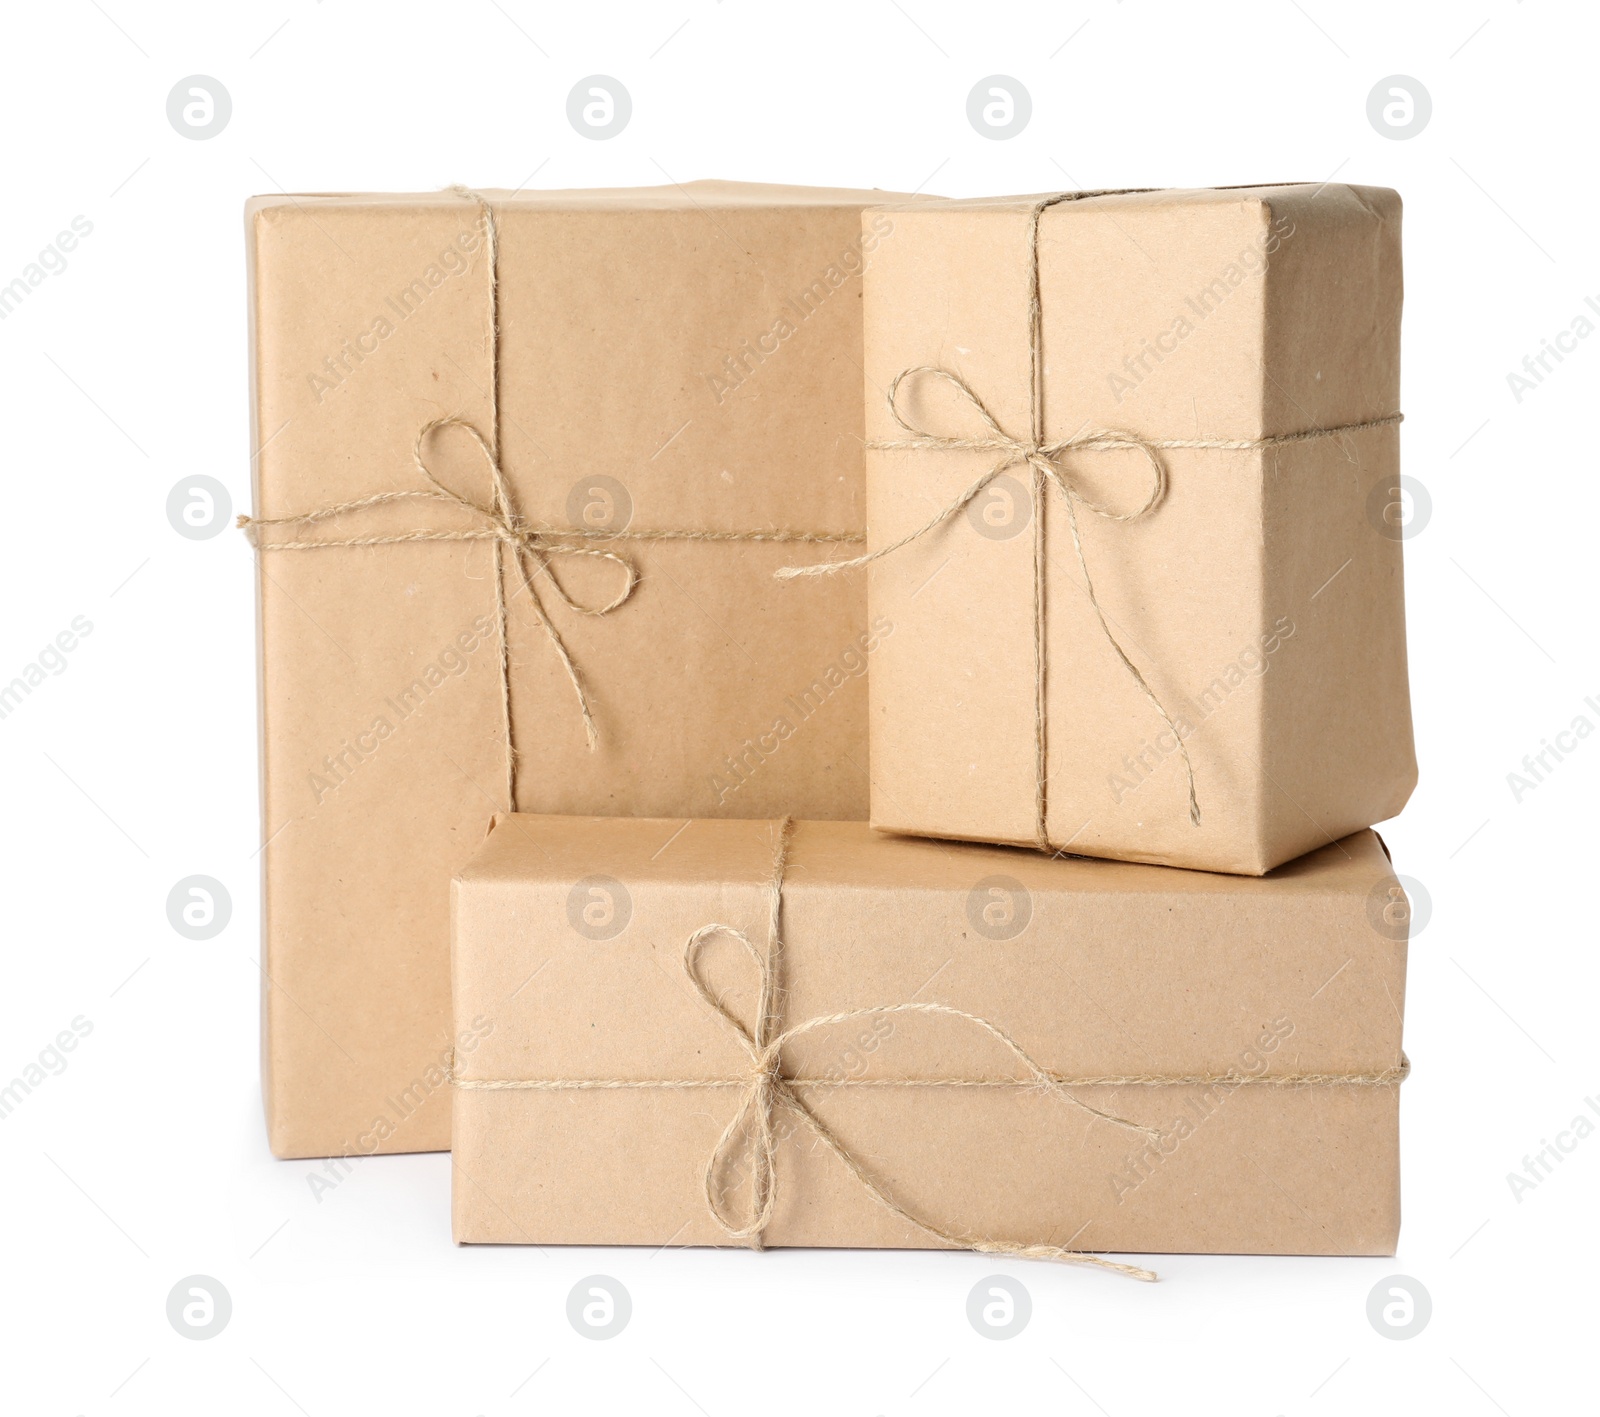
(1338, 733)
(625, 1168)
(951, 722)
(376, 663)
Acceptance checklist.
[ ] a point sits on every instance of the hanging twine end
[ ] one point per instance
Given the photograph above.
(1130, 1271)
(1194, 792)
(1062, 1254)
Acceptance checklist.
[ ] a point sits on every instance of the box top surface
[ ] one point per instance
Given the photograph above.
(1097, 968)
(850, 854)
(703, 195)
(1251, 194)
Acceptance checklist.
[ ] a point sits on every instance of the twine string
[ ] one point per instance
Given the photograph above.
(1381, 1077)
(751, 1131)
(1046, 461)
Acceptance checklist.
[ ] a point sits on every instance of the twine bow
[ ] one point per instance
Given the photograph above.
(1045, 460)
(768, 1088)
(532, 547)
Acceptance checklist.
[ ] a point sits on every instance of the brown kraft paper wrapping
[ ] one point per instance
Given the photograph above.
(569, 971)
(1260, 598)
(667, 359)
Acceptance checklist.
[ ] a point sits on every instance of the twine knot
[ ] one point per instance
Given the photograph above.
(1045, 458)
(752, 1132)
(533, 550)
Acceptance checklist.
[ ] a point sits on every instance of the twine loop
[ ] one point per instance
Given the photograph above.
(532, 548)
(539, 543)
(767, 1088)
(1043, 458)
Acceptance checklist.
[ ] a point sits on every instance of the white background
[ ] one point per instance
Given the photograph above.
(144, 1160)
